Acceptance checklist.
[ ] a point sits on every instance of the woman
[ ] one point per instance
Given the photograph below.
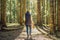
(28, 23)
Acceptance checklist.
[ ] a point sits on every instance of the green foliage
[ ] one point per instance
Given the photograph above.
(11, 11)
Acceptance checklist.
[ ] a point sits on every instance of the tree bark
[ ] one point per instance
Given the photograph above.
(22, 10)
(3, 11)
(38, 12)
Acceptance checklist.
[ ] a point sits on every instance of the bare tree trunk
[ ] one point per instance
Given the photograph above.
(38, 12)
(52, 16)
(58, 15)
(3, 12)
(22, 10)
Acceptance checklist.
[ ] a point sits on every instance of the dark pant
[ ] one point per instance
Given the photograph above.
(28, 29)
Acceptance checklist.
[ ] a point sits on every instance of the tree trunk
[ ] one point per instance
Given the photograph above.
(3, 12)
(38, 12)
